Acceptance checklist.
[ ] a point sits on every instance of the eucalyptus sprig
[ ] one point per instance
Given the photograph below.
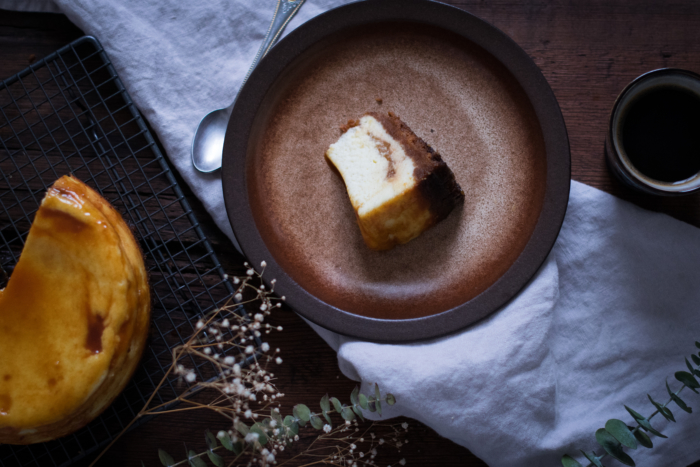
(617, 435)
(261, 441)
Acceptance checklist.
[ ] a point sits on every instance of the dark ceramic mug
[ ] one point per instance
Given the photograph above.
(653, 139)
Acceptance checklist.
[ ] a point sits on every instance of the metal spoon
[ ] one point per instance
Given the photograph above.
(208, 142)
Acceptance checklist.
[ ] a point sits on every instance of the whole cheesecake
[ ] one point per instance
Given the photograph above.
(397, 184)
(74, 316)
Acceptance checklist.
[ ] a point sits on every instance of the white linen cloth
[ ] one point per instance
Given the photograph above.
(607, 319)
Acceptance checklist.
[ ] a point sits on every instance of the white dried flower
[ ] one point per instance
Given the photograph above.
(265, 347)
(229, 360)
(327, 428)
(402, 462)
(259, 317)
(250, 349)
(221, 434)
(200, 324)
(404, 425)
(190, 377)
(238, 297)
(236, 280)
(263, 264)
(248, 413)
(278, 361)
(250, 272)
(207, 350)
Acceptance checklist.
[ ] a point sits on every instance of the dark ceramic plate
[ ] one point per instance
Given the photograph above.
(461, 85)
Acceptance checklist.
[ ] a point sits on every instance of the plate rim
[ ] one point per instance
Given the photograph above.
(494, 42)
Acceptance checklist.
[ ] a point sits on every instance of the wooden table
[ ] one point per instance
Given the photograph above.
(587, 50)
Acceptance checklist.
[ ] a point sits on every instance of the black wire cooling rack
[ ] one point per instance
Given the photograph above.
(69, 113)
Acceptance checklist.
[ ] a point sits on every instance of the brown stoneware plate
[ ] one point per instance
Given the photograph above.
(465, 88)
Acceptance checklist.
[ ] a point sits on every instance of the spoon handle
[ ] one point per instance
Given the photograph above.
(284, 11)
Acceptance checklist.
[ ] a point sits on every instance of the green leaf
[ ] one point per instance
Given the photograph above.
(696, 360)
(294, 428)
(647, 426)
(262, 437)
(215, 459)
(634, 414)
(390, 399)
(353, 395)
(242, 428)
(679, 402)
(165, 458)
(371, 404)
(568, 461)
(336, 404)
(328, 418)
(643, 439)
(226, 441)
(379, 407)
(210, 439)
(592, 458)
(363, 401)
(316, 421)
(697, 344)
(195, 461)
(288, 420)
(377, 395)
(687, 379)
(612, 446)
(666, 413)
(302, 412)
(347, 414)
(237, 448)
(358, 411)
(325, 404)
(690, 367)
(618, 429)
(276, 416)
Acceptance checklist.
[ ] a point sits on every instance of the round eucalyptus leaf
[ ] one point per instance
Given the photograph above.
(647, 426)
(687, 379)
(390, 399)
(618, 429)
(592, 458)
(356, 409)
(301, 412)
(347, 413)
(353, 395)
(666, 413)
(262, 437)
(165, 458)
(696, 359)
(215, 459)
(242, 428)
(363, 401)
(294, 428)
(635, 415)
(612, 446)
(336, 404)
(195, 461)
(568, 461)
(288, 420)
(643, 439)
(226, 441)
(681, 403)
(325, 404)
(210, 439)
(316, 421)
(372, 405)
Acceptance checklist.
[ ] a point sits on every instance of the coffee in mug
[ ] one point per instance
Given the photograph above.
(653, 142)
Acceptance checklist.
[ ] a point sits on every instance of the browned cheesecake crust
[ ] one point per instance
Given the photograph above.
(436, 181)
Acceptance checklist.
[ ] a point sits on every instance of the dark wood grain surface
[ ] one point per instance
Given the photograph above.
(587, 50)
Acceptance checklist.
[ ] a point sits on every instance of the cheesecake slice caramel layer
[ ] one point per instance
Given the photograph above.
(397, 184)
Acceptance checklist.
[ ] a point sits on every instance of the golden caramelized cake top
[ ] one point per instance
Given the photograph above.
(73, 317)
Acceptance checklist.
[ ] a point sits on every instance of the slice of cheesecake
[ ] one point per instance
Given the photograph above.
(398, 185)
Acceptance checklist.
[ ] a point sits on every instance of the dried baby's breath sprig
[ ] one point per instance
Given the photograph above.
(243, 389)
(617, 435)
